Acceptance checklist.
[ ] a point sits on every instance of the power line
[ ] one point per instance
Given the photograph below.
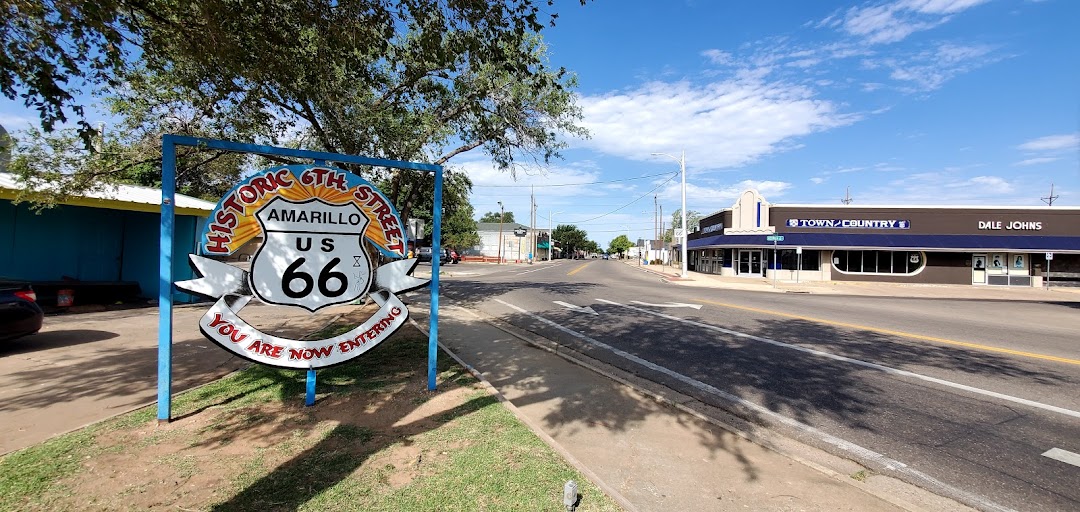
(575, 184)
(654, 189)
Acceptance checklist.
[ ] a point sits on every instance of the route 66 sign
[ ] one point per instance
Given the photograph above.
(311, 255)
(316, 223)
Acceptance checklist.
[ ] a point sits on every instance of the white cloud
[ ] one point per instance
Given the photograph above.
(817, 181)
(1037, 161)
(14, 122)
(708, 199)
(719, 125)
(941, 6)
(945, 188)
(890, 22)
(717, 56)
(991, 184)
(1053, 143)
(929, 70)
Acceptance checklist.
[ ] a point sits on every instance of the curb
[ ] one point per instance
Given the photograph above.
(768, 440)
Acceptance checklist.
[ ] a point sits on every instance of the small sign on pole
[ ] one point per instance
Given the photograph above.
(1049, 258)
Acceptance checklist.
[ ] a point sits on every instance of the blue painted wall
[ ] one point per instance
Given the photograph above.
(91, 244)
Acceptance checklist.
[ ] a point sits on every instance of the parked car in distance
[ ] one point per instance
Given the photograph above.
(606, 256)
(423, 254)
(20, 313)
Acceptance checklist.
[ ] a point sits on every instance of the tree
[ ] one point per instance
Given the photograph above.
(693, 219)
(570, 237)
(420, 80)
(494, 217)
(458, 227)
(619, 244)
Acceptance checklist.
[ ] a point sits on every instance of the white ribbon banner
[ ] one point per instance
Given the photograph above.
(223, 326)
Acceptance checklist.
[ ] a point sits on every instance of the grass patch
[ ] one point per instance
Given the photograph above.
(377, 440)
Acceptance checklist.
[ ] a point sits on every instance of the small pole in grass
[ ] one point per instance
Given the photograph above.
(570, 495)
(310, 401)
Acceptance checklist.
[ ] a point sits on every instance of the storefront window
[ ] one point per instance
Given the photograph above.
(878, 262)
(789, 260)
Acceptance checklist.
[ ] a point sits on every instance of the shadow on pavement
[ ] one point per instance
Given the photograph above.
(53, 339)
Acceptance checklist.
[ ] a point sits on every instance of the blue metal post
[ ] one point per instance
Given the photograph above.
(436, 256)
(165, 278)
(310, 400)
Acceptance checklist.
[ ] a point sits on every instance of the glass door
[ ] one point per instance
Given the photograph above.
(978, 269)
(750, 263)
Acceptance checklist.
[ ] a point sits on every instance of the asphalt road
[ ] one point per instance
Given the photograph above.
(963, 397)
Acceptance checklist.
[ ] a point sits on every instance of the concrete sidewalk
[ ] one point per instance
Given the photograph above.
(652, 449)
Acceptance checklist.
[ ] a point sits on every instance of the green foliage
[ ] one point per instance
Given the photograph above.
(571, 238)
(619, 244)
(424, 80)
(693, 219)
(495, 217)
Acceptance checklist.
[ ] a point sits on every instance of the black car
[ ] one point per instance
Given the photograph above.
(20, 313)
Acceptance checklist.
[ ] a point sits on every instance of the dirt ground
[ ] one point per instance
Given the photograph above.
(218, 455)
(232, 456)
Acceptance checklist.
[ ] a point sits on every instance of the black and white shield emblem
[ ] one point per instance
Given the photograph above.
(312, 255)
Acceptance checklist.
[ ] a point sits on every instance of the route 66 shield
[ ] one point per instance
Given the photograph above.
(312, 255)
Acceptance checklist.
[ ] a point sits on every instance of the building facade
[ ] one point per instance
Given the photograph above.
(103, 245)
(993, 246)
(514, 247)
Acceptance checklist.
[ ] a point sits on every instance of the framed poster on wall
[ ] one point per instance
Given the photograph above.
(997, 261)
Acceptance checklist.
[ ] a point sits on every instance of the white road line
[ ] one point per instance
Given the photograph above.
(875, 366)
(1064, 456)
(580, 309)
(668, 305)
(862, 453)
(534, 270)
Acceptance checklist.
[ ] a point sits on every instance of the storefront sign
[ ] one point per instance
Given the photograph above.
(849, 223)
(1010, 225)
(315, 222)
(712, 228)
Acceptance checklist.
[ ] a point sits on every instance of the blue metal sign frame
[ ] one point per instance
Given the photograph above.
(168, 222)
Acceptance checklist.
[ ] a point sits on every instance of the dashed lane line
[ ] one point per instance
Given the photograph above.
(1063, 456)
(860, 452)
(935, 339)
(859, 362)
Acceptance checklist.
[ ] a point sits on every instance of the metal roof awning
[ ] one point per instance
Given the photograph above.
(962, 243)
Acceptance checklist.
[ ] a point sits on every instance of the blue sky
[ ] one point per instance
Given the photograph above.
(950, 102)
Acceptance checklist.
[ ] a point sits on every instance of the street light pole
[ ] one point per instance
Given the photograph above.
(685, 230)
(499, 262)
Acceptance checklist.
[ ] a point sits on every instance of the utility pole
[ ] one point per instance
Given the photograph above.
(847, 196)
(499, 262)
(1050, 200)
(532, 223)
(655, 216)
